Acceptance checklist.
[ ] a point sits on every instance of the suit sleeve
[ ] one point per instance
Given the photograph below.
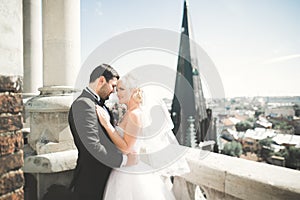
(92, 136)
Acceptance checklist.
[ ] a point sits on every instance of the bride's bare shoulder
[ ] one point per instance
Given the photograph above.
(135, 116)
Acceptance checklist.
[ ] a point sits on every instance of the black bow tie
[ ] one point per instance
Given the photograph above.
(100, 102)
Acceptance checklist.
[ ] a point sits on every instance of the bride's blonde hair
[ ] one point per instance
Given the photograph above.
(131, 83)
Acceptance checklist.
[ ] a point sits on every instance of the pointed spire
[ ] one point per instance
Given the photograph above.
(184, 26)
(188, 97)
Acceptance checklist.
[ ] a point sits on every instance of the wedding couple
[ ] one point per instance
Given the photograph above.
(107, 155)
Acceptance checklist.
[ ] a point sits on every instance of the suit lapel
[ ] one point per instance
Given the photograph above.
(88, 95)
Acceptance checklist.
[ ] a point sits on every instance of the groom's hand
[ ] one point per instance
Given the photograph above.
(103, 116)
(132, 159)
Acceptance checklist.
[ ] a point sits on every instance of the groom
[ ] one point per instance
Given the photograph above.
(97, 155)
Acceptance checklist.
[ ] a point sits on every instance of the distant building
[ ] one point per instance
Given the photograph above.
(280, 112)
(262, 122)
(229, 123)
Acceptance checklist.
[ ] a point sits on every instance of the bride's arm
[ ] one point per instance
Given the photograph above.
(132, 128)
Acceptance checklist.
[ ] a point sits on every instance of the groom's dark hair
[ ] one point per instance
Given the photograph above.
(104, 70)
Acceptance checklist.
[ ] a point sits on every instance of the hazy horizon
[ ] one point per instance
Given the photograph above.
(254, 45)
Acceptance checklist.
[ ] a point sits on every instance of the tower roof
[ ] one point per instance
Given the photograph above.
(188, 97)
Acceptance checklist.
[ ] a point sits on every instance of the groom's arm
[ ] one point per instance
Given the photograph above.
(92, 136)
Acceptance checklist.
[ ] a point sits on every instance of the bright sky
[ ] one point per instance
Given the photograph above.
(254, 44)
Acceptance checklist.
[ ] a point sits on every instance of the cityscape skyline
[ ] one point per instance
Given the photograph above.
(254, 45)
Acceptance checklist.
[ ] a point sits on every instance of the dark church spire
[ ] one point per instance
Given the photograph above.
(188, 96)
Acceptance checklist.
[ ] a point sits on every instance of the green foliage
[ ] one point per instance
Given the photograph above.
(251, 120)
(266, 151)
(281, 125)
(290, 154)
(292, 157)
(297, 112)
(266, 142)
(258, 113)
(243, 126)
(238, 108)
(233, 148)
(281, 153)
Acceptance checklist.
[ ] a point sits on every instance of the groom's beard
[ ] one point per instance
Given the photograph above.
(104, 93)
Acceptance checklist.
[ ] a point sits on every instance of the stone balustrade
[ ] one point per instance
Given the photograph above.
(224, 177)
(218, 176)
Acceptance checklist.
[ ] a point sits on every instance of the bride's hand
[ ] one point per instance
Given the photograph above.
(132, 159)
(103, 116)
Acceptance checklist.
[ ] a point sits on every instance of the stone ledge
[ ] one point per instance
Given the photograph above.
(53, 147)
(52, 99)
(51, 162)
(57, 90)
(241, 179)
(50, 104)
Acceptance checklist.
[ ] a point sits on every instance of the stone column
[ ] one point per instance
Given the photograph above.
(33, 54)
(61, 42)
(11, 72)
(51, 143)
(49, 130)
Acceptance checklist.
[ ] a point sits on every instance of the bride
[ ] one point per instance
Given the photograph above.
(134, 182)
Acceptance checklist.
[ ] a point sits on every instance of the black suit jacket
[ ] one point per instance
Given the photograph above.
(97, 155)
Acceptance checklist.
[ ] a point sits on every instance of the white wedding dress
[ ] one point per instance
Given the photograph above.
(136, 182)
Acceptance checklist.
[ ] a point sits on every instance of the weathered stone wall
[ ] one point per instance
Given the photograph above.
(231, 178)
(11, 138)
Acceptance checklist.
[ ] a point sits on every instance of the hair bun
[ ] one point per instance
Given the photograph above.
(138, 95)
